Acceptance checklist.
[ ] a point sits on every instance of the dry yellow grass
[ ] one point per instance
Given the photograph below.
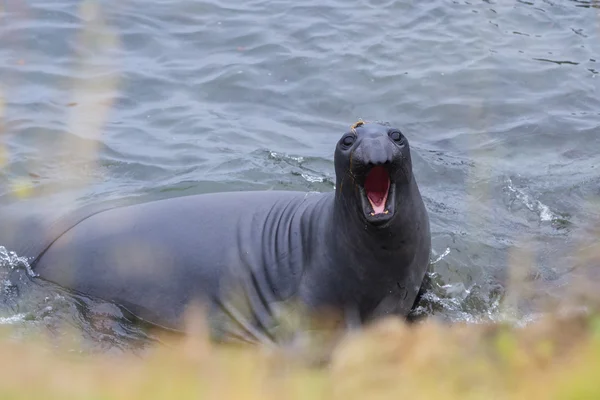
(550, 359)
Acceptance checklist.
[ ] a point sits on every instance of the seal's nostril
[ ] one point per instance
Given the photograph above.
(385, 163)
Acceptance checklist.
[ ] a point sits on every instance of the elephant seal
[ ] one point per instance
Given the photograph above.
(362, 249)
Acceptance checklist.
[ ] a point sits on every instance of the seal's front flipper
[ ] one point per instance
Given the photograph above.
(418, 311)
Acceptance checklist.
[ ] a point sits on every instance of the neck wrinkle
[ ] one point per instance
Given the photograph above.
(319, 218)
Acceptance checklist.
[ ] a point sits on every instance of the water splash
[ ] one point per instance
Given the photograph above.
(536, 206)
(13, 319)
(307, 174)
(11, 261)
(278, 156)
(312, 178)
(454, 302)
(441, 256)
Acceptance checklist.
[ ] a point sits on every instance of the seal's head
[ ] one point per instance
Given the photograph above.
(373, 168)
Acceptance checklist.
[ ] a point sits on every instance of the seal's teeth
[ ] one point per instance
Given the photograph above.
(386, 212)
(372, 214)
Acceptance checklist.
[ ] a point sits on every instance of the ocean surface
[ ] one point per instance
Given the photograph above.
(139, 100)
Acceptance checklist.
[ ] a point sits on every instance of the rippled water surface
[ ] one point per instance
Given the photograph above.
(499, 99)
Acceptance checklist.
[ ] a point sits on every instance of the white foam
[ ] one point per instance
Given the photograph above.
(10, 260)
(312, 178)
(12, 319)
(444, 254)
(298, 159)
(533, 205)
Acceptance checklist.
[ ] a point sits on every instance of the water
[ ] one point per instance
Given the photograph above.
(150, 99)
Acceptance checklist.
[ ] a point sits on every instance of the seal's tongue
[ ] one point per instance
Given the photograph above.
(377, 186)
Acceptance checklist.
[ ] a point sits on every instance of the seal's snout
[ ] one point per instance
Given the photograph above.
(375, 151)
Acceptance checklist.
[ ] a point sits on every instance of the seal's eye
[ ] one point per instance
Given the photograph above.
(348, 140)
(396, 136)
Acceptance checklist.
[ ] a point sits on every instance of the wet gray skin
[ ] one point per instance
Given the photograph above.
(243, 253)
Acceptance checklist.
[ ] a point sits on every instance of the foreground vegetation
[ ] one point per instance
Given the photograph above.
(549, 359)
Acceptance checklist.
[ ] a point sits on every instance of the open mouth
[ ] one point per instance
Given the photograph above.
(377, 187)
